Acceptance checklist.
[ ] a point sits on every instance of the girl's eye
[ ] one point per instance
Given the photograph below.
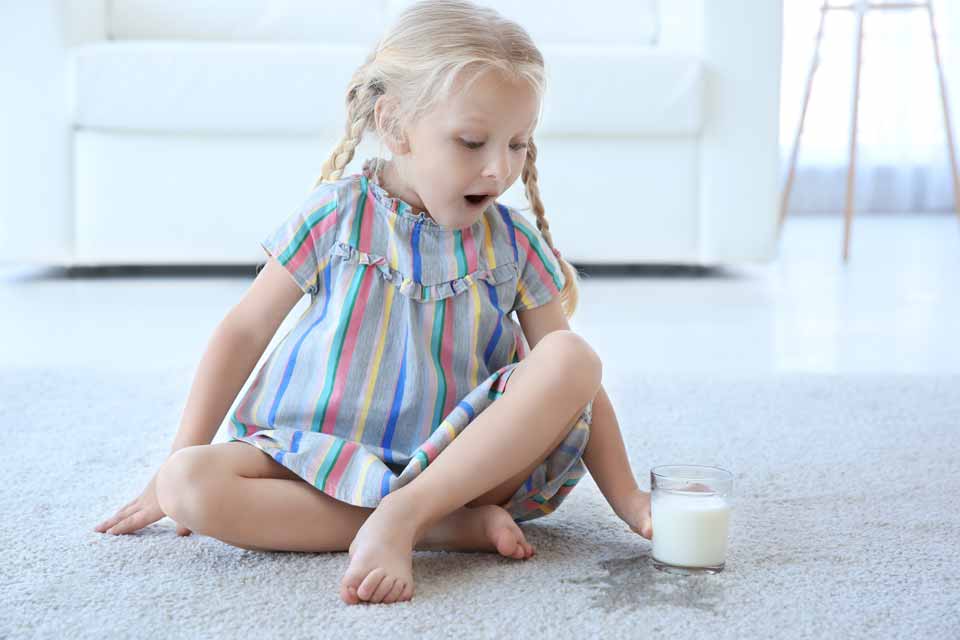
(477, 145)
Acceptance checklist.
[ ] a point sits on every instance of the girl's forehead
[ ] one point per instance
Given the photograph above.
(510, 117)
(490, 98)
(520, 115)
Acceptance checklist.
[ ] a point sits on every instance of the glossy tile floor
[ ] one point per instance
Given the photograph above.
(895, 307)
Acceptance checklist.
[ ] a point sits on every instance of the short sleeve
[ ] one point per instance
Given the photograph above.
(541, 278)
(302, 242)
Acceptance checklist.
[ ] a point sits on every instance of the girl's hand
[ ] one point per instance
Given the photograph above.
(137, 514)
(636, 513)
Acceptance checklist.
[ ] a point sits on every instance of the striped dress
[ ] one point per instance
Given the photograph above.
(409, 335)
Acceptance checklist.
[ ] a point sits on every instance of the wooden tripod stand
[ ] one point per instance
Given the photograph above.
(862, 7)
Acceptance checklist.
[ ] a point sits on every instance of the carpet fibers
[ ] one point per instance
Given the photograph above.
(844, 525)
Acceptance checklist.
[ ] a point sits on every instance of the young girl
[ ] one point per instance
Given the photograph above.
(406, 409)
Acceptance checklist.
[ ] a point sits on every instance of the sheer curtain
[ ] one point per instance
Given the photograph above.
(902, 158)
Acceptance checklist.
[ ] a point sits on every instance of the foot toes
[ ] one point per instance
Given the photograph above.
(350, 586)
(397, 591)
(370, 583)
(506, 545)
(386, 586)
(349, 594)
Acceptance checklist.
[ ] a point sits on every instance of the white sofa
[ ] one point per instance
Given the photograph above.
(154, 132)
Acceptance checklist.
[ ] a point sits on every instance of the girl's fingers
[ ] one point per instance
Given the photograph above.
(132, 523)
(117, 517)
(105, 524)
(120, 527)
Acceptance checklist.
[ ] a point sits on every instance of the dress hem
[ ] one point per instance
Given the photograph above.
(349, 472)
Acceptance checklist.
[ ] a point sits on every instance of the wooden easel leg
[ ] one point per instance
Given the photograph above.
(791, 172)
(946, 113)
(851, 169)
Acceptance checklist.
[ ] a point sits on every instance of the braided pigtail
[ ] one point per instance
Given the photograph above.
(570, 293)
(362, 96)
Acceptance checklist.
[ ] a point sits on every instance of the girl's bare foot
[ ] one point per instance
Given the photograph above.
(381, 554)
(485, 528)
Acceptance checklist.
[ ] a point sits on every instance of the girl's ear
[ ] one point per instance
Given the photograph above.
(382, 112)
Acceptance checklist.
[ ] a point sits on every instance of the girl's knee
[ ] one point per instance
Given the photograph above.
(181, 480)
(573, 360)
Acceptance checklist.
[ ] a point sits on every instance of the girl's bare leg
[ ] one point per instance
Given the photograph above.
(546, 393)
(236, 493)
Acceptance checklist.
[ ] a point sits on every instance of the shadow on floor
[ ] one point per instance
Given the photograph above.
(53, 273)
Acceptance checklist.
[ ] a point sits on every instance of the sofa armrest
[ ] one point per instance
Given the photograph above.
(740, 155)
(36, 213)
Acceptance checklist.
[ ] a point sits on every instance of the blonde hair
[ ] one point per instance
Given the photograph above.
(417, 61)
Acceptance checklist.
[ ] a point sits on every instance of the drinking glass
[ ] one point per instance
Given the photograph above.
(690, 508)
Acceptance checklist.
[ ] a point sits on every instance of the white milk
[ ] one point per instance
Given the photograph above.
(690, 528)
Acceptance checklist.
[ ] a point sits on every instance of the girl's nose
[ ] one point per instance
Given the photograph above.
(498, 166)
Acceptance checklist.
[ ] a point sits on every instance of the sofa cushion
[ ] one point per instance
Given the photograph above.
(299, 88)
(548, 21)
(258, 20)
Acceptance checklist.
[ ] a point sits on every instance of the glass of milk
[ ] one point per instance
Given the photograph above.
(690, 508)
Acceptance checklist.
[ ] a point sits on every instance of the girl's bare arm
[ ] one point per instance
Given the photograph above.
(606, 457)
(236, 346)
(234, 349)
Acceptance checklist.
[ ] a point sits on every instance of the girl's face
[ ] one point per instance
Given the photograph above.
(475, 143)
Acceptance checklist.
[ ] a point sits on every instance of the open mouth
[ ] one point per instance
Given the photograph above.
(478, 199)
